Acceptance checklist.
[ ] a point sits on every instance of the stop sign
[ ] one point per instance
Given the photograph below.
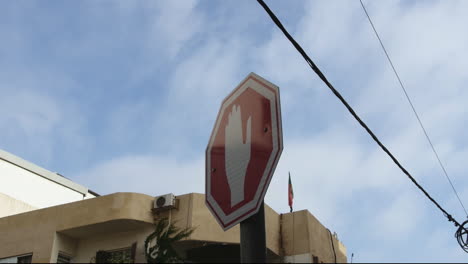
(243, 150)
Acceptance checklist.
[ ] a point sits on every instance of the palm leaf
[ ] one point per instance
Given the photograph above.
(165, 234)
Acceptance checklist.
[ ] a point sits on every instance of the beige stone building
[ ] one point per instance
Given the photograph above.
(120, 223)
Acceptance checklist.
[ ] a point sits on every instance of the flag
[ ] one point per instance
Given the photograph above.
(290, 193)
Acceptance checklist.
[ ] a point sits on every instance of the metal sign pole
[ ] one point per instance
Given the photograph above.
(253, 238)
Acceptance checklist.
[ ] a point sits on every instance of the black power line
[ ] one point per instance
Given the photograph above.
(412, 107)
(353, 113)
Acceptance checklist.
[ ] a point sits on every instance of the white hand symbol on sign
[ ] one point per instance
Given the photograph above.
(237, 154)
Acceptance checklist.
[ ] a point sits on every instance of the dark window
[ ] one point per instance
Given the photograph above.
(315, 259)
(63, 258)
(25, 259)
(124, 255)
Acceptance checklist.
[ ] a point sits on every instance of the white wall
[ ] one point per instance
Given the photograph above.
(10, 206)
(11, 259)
(25, 187)
(301, 258)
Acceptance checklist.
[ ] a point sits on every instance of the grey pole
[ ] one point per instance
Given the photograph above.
(253, 239)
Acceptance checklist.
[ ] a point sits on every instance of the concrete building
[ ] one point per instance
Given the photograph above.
(121, 222)
(45, 217)
(25, 186)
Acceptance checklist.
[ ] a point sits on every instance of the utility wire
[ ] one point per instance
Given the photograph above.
(462, 232)
(412, 107)
(350, 109)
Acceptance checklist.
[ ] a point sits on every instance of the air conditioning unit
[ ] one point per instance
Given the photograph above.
(164, 202)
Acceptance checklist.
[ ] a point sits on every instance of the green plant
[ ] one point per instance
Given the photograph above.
(115, 256)
(165, 235)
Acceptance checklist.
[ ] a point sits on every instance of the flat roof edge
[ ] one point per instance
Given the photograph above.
(10, 158)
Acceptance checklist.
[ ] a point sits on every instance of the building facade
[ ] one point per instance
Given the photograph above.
(25, 186)
(119, 223)
(45, 217)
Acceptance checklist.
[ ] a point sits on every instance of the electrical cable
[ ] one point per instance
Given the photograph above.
(462, 236)
(278, 23)
(412, 107)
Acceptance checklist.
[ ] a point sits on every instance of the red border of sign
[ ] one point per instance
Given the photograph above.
(275, 161)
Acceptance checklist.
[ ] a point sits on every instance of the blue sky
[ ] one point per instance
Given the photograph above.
(122, 96)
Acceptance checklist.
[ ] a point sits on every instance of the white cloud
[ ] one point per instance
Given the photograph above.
(35, 118)
(400, 219)
(29, 112)
(195, 91)
(152, 175)
(174, 25)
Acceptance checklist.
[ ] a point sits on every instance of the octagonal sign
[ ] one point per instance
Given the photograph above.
(244, 148)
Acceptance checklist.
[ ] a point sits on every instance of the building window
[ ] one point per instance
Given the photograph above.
(123, 255)
(24, 259)
(17, 259)
(62, 258)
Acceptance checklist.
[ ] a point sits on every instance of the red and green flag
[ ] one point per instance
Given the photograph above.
(290, 193)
